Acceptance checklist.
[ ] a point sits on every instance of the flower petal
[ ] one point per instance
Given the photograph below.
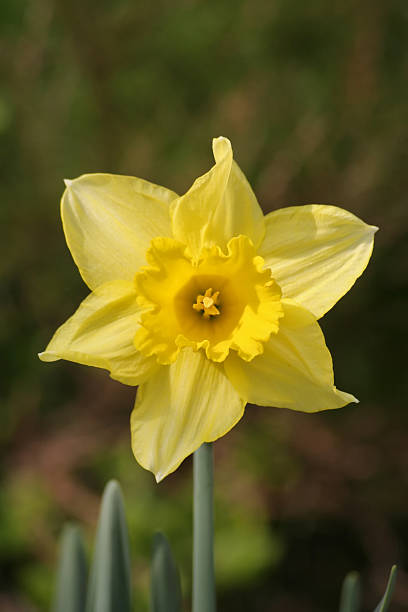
(316, 253)
(180, 407)
(109, 221)
(295, 370)
(219, 205)
(100, 333)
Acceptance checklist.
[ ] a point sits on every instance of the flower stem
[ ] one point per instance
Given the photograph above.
(203, 531)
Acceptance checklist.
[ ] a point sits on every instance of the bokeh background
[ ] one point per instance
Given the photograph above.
(314, 98)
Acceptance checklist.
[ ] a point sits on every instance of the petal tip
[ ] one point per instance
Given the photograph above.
(68, 183)
(221, 148)
(351, 399)
(47, 356)
(374, 228)
(221, 139)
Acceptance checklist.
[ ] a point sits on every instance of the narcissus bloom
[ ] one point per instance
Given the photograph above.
(204, 302)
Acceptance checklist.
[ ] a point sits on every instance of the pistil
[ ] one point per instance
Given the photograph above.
(207, 303)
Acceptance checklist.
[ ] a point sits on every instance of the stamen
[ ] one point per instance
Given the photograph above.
(207, 303)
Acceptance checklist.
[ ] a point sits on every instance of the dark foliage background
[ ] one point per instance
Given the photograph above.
(314, 98)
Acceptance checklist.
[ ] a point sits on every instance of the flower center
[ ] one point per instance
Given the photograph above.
(207, 303)
(221, 302)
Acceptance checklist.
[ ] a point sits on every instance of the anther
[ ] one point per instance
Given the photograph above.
(207, 303)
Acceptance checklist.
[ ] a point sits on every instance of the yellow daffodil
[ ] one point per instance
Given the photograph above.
(204, 302)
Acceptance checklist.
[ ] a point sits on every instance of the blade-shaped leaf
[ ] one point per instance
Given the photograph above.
(110, 587)
(350, 593)
(71, 579)
(165, 586)
(386, 600)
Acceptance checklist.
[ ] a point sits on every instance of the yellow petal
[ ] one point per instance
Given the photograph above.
(180, 407)
(109, 221)
(218, 206)
(316, 253)
(295, 370)
(101, 333)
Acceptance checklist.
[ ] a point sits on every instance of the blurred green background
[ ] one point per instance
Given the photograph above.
(314, 98)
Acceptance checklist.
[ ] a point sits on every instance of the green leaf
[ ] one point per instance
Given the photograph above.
(165, 586)
(110, 583)
(350, 593)
(71, 579)
(386, 600)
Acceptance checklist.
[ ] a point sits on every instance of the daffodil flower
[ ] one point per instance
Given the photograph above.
(204, 302)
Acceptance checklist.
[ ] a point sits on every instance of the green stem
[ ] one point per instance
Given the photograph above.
(203, 531)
